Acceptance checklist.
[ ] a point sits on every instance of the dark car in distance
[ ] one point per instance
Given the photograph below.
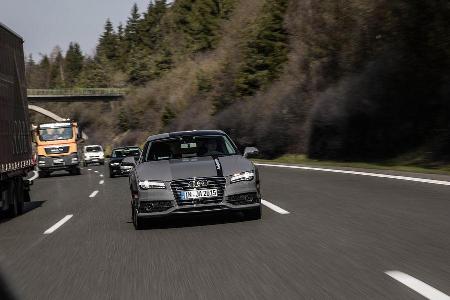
(116, 167)
(193, 172)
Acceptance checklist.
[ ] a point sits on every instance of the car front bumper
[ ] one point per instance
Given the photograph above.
(236, 197)
(53, 163)
(90, 160)
(200, 208)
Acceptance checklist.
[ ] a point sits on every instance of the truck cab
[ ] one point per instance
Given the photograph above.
(57, 148)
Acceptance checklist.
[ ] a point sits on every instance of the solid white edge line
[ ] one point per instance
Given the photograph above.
(35, 176)
(101, 182)
(407, 178)
(419, 286)
(274, 207)
(59, 224)
(93, 194)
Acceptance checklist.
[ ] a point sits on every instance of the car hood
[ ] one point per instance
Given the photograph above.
(167, 170)
(118, 159)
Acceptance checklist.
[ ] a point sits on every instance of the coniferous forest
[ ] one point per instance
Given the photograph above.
(345, 80)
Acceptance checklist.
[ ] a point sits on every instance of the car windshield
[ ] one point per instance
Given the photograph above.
(190, 146)
(53, 134)
(93, 149)
(126, 152)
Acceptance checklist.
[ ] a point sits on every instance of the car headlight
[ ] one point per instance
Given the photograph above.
(115, 164)
(147, 184)
(244, 176)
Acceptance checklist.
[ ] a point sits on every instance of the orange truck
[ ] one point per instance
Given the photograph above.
(57, 147)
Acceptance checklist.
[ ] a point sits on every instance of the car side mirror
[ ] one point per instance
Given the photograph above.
(250, 152)
(128, 161)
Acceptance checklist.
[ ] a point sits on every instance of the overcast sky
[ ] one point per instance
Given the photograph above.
(46, 23)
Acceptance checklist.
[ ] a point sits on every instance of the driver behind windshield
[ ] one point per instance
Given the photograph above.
(210, 147)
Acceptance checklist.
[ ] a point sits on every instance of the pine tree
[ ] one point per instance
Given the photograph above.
(150, 30)
(96, 74)
(132, 37)
(73, 64)
(108, 43)
(44, 69)
(30, 70)
(57, 78)
(200, 21)
(266, 51)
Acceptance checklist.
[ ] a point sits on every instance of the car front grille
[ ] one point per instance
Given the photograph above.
(212, 183)
(155, 206)
(57, 150)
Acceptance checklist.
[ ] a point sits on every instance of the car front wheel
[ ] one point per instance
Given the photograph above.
(137, 222)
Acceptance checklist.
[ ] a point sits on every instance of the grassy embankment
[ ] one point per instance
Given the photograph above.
(399, 164)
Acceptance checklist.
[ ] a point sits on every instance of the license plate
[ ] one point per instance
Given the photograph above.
(58, 161)
(198, 194)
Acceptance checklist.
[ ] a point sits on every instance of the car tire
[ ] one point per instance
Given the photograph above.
(43, 174)
(137, 222)
(253, 213)
(111, 174)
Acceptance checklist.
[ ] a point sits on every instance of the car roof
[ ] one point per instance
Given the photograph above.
(184, 133)
(93, 146)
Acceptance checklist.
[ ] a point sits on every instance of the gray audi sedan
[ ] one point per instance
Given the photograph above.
(193, 172)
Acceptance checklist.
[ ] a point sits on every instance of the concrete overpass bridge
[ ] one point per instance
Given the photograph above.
(76, 95)
(36, 96)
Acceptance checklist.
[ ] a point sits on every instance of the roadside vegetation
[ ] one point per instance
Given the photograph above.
(393, 165)
(344, 81)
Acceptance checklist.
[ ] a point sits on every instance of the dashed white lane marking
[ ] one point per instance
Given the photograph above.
(36, 175)
(274, 207)
(101, 182)
(93, 194)
(59, 224)
(89, 169)
(101, 175)
(95, 171)
(416, 179)
(420, 287)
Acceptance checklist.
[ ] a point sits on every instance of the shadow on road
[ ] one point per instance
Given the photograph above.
(5, 290)
(193, 220)
(59, 174)
(29, 206)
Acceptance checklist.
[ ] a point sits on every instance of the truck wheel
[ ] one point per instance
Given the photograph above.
(20, 190)
(26, 196)
(15, 198)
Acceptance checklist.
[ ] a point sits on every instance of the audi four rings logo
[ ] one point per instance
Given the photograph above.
(198, 183)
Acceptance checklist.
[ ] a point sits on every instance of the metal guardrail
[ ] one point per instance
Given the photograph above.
(78, 92)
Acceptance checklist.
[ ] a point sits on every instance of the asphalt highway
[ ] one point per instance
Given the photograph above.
(323, 235)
